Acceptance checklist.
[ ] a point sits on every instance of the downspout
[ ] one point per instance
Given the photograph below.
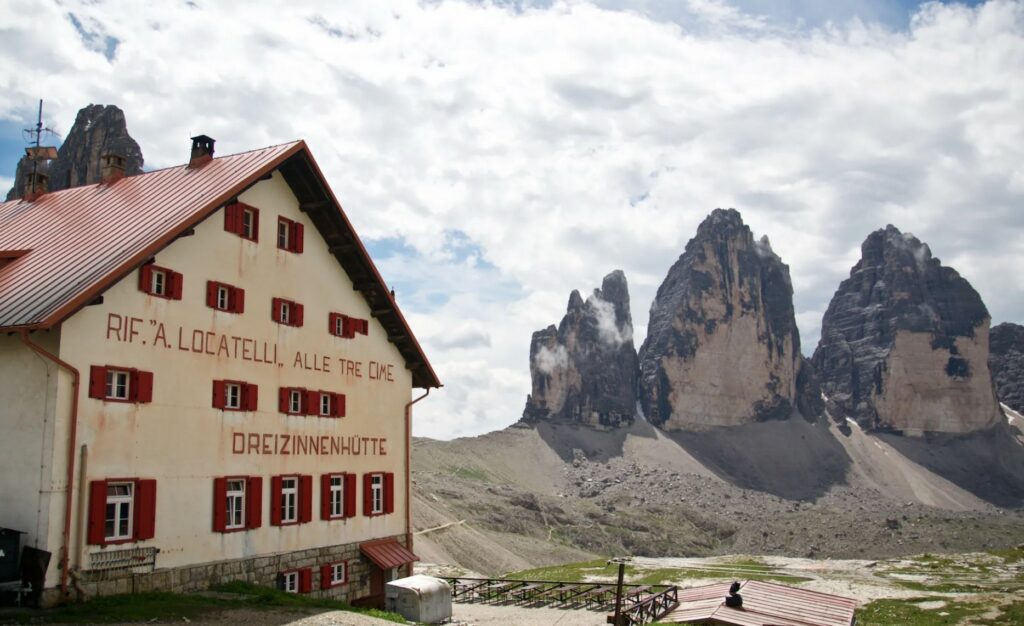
(72, 436)
(408, 472)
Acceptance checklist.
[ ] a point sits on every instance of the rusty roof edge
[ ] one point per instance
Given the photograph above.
(365, 256)
(62, 313)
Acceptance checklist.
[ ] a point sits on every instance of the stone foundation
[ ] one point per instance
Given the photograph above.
(260, 570)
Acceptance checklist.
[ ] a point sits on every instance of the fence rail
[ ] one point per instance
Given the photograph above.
(641, 604)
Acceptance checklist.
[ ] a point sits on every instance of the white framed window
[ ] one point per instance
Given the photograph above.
(283, 234)
(284, 312)
(325, 404)
(376, 493)
(117, 384)
(295, 401)
(337, 496)
(339, 573)
(289, 499)
(223, 297)
(339, 325)
(290, 582)
(232, 396)
(118, 524)
(235, 504)
(159, 286)
(249, 224)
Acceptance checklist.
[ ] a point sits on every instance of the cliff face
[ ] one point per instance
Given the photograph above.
(1006, 360)
(722, 346)
(585, 370)
(98, 129)
(904, 343)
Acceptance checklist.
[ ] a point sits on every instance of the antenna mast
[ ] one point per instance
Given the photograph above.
(38, 152)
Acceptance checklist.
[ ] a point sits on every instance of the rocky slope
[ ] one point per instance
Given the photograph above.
(904, 343)
(722, 346)
(98, 129)
(1006, 360)
(585, 370)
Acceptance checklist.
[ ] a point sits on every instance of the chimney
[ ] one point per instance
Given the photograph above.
(35, 185)
(202, 151)
(111, 168)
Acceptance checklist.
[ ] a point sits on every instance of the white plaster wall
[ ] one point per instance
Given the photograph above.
(181, 441)
(29, 491)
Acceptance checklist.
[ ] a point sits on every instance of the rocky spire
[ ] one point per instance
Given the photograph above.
(585, 370)
(904, 343)
(98, 129)
(1006, 360)
(722, 345)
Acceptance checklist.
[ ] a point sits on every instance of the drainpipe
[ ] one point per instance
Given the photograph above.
(65, 549)
(408, 472)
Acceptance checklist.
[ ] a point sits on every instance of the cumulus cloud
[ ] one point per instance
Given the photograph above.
(494, 155)
(548, 360)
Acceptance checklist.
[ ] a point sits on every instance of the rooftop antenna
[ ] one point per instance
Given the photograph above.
(37, 152)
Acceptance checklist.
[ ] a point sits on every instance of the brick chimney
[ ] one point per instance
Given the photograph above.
(111, 168)
(202, 151)
(36, 184)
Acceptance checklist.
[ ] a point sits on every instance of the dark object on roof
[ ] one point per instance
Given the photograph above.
(68, 247)
(734, 599)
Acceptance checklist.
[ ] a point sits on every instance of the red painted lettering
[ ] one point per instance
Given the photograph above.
(266, 444)
(161, 336)
(114, 324)
(223, 348)
(247, 349)
(237, 443)
(254, 443)
(209, 342)
(197, 335)
(181, 340)
(132, 332)
(284, 444)
(383, 452)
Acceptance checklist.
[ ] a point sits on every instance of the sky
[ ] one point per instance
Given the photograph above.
(495, 156)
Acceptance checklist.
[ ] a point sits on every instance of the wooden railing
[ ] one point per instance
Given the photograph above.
(641, 604)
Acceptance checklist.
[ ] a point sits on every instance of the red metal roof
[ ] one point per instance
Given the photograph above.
(61, 251)
(387, 553)
(764, 604)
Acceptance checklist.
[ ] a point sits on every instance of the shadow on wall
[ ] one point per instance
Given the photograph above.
(990, 465)
(791, 459)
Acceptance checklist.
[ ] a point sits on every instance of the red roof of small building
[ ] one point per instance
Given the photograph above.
(764, 604)
(63, 250)
(387, 553)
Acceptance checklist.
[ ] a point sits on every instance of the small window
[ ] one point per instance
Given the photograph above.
(377, 494)
(337, 324)
(232, 396)
(289, 235)
(118, 525)
(117, 385)
(160, 282)
(225, 297)
(289, 499)
(235, 395)
(325, 404)
(346, 327)
(290, 582)
(337, 496)
(286, 312)
(339, 573)
(243, 220)
(249, 223)
(295, 401)
(235, 504)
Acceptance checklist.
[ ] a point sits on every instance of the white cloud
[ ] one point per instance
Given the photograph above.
(607, 326)
(517, 153)
(548, 360)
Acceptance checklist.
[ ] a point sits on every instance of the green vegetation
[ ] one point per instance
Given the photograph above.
(602, 570)
(161, 606)
(907, 612)
(471, 473)
(1010, 615)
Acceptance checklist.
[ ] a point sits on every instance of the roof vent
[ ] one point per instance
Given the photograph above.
(734, 599)
(36, 184)
(202, 150)
(111, 167)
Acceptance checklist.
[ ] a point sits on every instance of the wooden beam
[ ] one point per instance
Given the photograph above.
(342, 247)
(365, 286)
(314, 205)
(378, 312)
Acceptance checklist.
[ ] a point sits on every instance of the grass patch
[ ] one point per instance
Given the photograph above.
(601, 569)
(164, 607)
(1010, 615)
(1010, 555)
(906, 613)
(471, 473)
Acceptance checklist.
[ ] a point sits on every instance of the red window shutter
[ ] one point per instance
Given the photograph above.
(275, 500)
(250, 397)
(175, 280)
(311, 402)
(145, 509)
(325, 576)
(146, 278)
(219, 394)
(275, 309)
(389, 492)
(236, 300)
(282, 399)
(367, 495)
(296, 235)
(350, 495)
(254, 502)
(211, 294)
(297, 314)
(362, 326)
(347, 327)
(233, 218)
(97, 512)
(141, 386)
(325, 496)
(331, 320)
(305, 580)
(255, 222)
(305, 498)
(338, 404)
(97, 382)
(220, 505)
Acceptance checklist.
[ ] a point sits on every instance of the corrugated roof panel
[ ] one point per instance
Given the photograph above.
(387, 553)
(764, 604)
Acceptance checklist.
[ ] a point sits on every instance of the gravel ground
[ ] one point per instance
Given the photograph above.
(490, 615)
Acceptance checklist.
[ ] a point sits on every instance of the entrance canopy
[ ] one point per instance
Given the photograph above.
(387, 553)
